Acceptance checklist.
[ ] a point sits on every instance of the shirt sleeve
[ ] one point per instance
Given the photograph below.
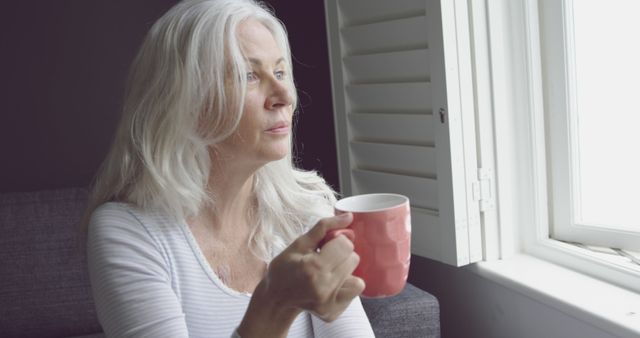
(352, 323)
(130, 278)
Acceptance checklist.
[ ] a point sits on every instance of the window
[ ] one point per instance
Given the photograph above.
(528, 47)
(591, 72)
(444, 101)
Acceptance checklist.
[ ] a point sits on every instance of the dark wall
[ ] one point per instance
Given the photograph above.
(315, 138)
(62, 71)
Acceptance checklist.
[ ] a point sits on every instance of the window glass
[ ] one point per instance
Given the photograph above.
(605, 119)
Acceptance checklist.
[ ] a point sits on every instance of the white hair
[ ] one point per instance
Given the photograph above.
(185, 95)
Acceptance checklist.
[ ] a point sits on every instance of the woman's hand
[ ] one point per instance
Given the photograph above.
(304, 278)
(319, 282)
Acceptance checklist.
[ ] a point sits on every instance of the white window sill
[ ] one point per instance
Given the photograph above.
(608, 307)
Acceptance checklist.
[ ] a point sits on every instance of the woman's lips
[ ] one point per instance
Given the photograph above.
(279, 129)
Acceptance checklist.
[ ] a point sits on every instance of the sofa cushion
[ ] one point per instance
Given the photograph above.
(411, 314)
(44, 285)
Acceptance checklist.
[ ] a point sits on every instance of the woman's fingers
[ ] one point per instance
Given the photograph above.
(317, 281)
(331, 265)
(336, 250)
(351, 288)
(347, 266)
(326, 271)
(310, 240)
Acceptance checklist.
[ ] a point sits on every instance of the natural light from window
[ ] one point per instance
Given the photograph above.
(606, 128)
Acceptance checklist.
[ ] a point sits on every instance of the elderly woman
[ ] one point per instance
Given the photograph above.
(199, 225)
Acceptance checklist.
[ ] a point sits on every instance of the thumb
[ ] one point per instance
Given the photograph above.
(313, 237)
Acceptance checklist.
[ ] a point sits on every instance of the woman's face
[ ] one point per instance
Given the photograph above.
(264, 130)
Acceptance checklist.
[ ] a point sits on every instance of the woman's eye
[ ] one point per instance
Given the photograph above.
(251, 76)
(280, 75)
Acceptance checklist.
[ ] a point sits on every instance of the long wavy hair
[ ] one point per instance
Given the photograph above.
(177, 107)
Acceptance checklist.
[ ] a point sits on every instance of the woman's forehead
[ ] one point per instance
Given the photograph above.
(257, 43)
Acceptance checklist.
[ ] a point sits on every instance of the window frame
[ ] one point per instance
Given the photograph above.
(520, 145)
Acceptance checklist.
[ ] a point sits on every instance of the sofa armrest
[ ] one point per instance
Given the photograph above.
(412, 313)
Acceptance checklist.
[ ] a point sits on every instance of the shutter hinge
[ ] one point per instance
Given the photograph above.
(482, 189)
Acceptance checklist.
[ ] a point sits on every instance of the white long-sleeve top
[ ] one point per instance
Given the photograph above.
(150, 279)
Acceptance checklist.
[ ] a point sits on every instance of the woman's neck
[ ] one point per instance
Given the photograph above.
(233, 198)
(231, 184)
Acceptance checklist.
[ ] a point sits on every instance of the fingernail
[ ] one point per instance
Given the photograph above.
(344, 216)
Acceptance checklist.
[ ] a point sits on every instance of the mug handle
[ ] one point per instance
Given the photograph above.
(331, 234)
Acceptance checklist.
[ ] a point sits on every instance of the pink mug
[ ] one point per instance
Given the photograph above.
(381, 234)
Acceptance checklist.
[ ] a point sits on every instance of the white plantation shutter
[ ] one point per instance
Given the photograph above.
(403, 124)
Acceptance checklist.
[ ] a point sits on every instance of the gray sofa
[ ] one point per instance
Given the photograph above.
(44, 287)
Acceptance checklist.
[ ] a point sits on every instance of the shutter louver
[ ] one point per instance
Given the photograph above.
(387, 133)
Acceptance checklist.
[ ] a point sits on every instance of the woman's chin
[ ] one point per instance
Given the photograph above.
(278, 156)
(274, 155)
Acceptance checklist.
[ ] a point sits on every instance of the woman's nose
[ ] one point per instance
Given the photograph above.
(279, 95)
